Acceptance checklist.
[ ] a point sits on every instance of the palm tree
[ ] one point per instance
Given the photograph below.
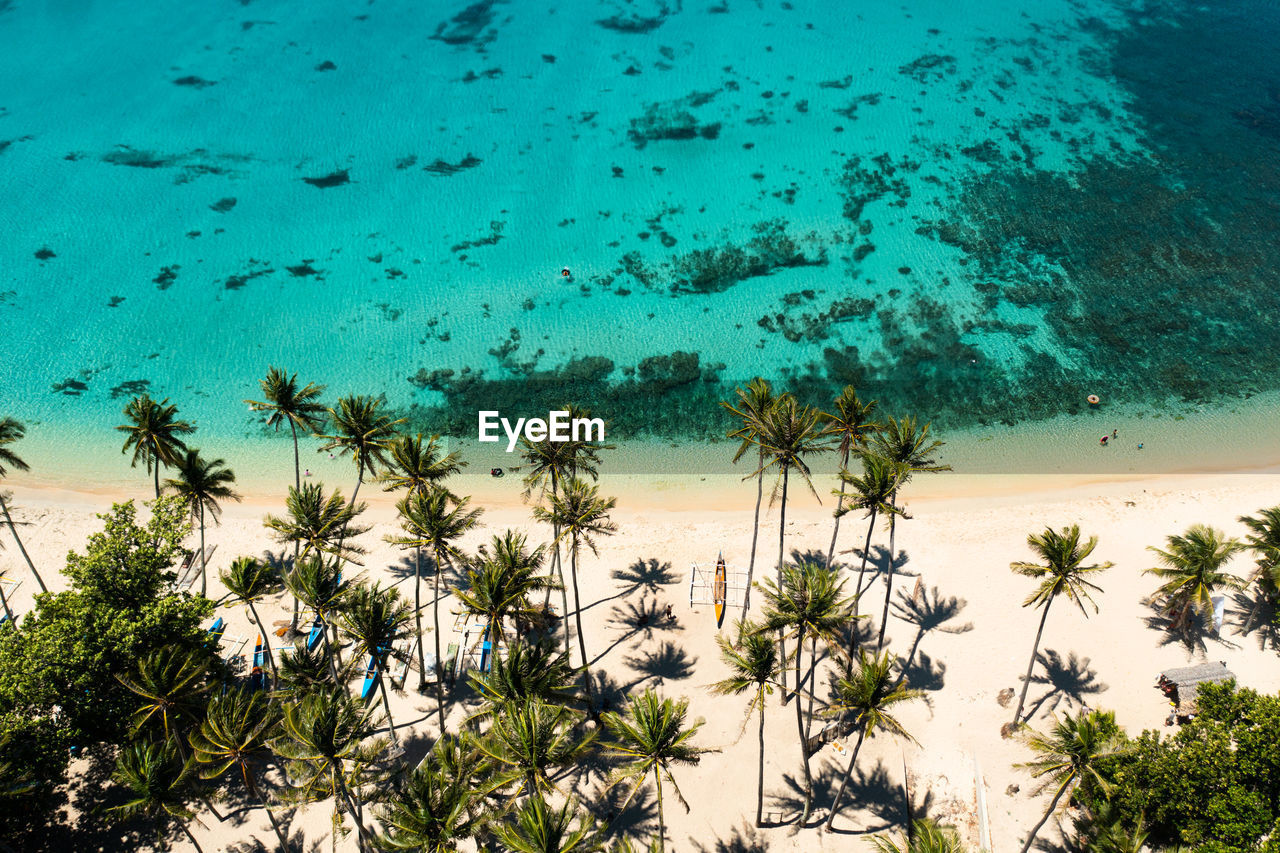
(652, 736)
(320, 586)
(375, 618)
(753, 665)
(434, 520)
(873, 493)
(1062, 573)
(362, 431)
(415, 466)
(323, 737)
(849, 423)
(753, 406)
(287, 402)
(250, 580)
(234, 735)
(1192, 571)
(907, 445)
(160, 785)
(1264, 541)
(500, 586)
(528, 743)
(304, 670)
(868, 695)
(172, 684)
(529, 671)
(438, 804)
(549, 463)
(537, 828)
(153, 432)
(203, 483)
(810, 603)
(581, 514)
(11, 431)
(1069, 754)
(924, 836)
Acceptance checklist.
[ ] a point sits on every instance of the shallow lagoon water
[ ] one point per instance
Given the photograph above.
(981, 214)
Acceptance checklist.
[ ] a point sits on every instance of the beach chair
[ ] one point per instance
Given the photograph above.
(401, 672)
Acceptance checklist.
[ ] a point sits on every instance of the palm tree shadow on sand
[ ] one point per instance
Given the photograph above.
(638, 821)
(1192, 634)
(1256, 613)
(878, 563)
(642, 618)
(668, 662)
(648, 574)
(744, 840)
(1070, 681)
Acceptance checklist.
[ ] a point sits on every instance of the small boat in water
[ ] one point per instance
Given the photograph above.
(719, 590)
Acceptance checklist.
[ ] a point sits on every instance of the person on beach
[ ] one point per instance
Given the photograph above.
(1103, 442)
(1113, 434)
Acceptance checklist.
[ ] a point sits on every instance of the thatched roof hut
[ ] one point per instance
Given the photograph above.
(1182, 685)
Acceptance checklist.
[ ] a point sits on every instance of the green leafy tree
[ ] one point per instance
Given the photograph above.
(235, 737)
(849, 424)
(203, 483)
(527, 672)
(1061, 573)
(361, 430)
(10, 432)
(868, 695)
(160, 784)
(1072, 752)
(321, 586)
(250, 580)
(284, 402)
(1191, 568)
(172, 685)
(500, 586)
(753, 666)
(652, 736)
(536, 827)
(529, 743)
(435, 520)
(154, 434)
(750, 410)
(375, 619)
(439, 804)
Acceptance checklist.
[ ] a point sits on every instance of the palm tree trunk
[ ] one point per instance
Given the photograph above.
(662, 826)
(257, 795)
(804, 746)
(297, 466)
(386, 706)
(1026, 682)
(888, 585)
(564, 603)
(4, 600)
(755, 534)
(848, 774)
(831, 551)
(577, 615)
(266, 645)
(156, 469)
(1053, 805)
(555, 561)
(811, 680)
(329, 650)
(204, 561)
(866, 552)
(782, 643)
(417, 616)
(293, 625)
(190, 837)
(760, 770)
(14, 530)
(435, 615)
(356, 812)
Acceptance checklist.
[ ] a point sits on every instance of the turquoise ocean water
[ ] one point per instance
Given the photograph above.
(979, 212)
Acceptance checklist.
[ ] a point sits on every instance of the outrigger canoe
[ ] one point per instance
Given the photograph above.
(257, 678)
(719, 589)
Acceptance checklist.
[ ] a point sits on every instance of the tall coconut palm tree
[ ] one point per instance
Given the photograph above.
(11, 431)
(439, 804)
(160, 783)
(911, 449)
(651, 737)
(305, 670)
(434, 520)
(1062, 573)
(1192, 571)
(873, 493)
(868, 695)
(529, 743)
(321, 586)
(286, 402)
(849, 423)
(925, 836)
(1070, 753)
(751, 409)
(234, 735)
(249, 580)
(154, 434)
(581, 514)
(527, 672)
(753, 666)
(809, 603)
(204, 483)
(499, 587)
(325, 737)
(535, 827)
(1264, 541)
(416, 466)
(361, 430)
(172, 684)
(375, 620)
(548, 464)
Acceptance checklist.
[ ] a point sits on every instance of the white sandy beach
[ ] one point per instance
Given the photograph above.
(962, 536)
